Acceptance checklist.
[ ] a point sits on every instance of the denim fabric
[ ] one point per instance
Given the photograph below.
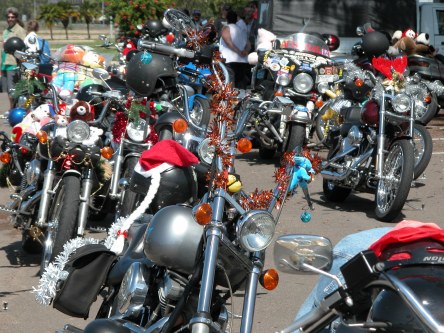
(344, 250)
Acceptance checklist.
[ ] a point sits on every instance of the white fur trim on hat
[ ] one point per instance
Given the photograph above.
(148, 173)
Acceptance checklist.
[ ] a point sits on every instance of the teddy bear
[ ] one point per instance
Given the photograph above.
(93, 60)
(81, 110)
(33, 121)
(409, 42)
(265, 40)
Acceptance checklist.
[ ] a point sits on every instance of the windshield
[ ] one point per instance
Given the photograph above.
(305, 43)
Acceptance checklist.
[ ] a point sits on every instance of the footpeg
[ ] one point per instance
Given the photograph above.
(7, 210)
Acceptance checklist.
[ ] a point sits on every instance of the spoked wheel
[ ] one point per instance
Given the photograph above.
(394, 186)
(423, 148)
(62, 219)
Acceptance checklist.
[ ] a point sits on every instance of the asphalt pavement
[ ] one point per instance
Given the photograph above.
(20, 313)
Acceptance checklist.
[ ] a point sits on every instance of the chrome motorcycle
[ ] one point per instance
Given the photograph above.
(372, 149)
(286, 84)
(386, 293)
(171, 280)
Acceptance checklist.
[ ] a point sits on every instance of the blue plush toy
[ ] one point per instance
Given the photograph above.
(301, 169)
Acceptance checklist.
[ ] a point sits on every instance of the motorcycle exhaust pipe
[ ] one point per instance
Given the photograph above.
(333, 175)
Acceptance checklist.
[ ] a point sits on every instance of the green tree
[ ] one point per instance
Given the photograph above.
(128, 14)
(50, 14)
(88, 11)
(67, 12)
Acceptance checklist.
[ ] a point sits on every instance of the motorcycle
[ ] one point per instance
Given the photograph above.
(184, 279)
(377, 291)
(372, 150)
(285, 83)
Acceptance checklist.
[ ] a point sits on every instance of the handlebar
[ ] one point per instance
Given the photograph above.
(166, 49)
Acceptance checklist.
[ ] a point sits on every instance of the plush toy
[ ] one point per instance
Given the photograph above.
(61, 120)
(71, 53)
(265, 41)
(408, 42)
(129, 46)
(81, 111)
(33, 121)
(65, 79)
(93, 59)
(301, 177)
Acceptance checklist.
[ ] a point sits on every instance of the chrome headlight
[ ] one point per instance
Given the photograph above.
(303, 83)
(401, 103)
(255, 230)
(206, 151)
(33, 171)
(78, 131)
(283, 80)
(137, 132)
(133, 290)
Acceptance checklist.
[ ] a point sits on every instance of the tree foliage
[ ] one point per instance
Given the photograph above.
(128, 14)
(67, 12)
(89, 11)
(50, 14)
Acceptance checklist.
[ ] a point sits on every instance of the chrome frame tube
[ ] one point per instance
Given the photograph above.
(250, 298)
(381, 139)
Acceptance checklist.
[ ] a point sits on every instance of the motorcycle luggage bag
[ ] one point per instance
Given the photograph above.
(87, 270)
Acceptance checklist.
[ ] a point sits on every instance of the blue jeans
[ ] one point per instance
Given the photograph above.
(344, 250)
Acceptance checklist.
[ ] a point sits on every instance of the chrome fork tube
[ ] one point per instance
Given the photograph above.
(250, 297)
(200, 323)
(46, 194)
(85, 193)
(116, 172)
(381, 139)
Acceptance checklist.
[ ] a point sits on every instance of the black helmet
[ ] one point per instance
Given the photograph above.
(427, 283)
(154, 28)
(14, 44)
(145, 69)
(177, 186)
(375, 44)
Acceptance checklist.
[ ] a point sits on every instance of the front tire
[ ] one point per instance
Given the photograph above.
(296, 136)
(423, 148)
(394, 186)
(201, 112)
(333, 192)
(62, 218)
(130, 198)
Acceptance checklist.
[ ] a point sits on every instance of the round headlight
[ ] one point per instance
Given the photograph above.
(303, 83)
(255, 230)
(206, 151)
(133, 290)
(401, 103)
(78, 131)
(137, 132)
(283, 80)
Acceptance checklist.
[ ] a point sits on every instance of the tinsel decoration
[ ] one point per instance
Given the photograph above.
(119, 126)
(55, 273)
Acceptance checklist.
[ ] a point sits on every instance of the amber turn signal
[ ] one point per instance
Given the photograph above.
(269, 279)
(180, 125)
(319, 102)
(428, 99)
(244, 145)
(107, 152)
(42, 136)
(359, 82)
(203, 214)
(5, 157)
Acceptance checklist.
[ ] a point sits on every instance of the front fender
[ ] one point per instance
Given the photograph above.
(191, 100)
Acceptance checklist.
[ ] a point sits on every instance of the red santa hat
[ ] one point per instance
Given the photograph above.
(152, 163)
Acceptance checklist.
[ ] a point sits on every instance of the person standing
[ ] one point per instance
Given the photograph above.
(234, 48)
(10, 73)
(221, 20)
(196, 18)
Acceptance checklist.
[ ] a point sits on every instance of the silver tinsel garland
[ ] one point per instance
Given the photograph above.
(55, 272)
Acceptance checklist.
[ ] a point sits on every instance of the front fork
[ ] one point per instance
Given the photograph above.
(47, 193)
(85, 194)
(117, 167)
(202, 321)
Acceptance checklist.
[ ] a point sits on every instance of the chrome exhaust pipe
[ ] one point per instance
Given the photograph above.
(334, 175)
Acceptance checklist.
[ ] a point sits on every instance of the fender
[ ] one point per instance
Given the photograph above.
(191, 100)
(299, 115)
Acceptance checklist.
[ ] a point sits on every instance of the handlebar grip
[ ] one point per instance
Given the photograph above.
(166, 49)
